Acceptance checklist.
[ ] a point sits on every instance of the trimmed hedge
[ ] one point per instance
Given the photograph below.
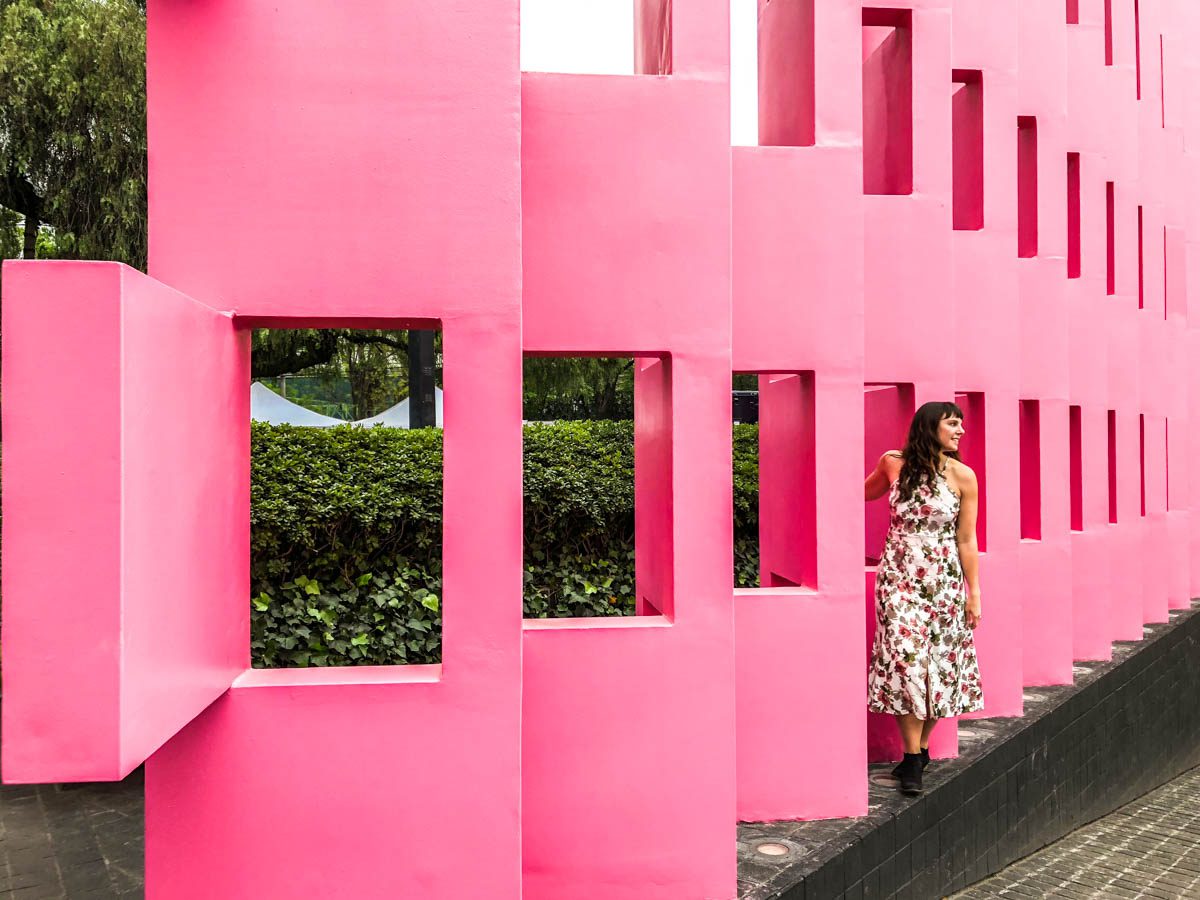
(346, 536)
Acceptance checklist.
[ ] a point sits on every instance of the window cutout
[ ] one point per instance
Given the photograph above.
(1111, 232)
(888, 409)
(1074, 263)
(887, 101)
(772, 73)
(1112, 466)
(1076, 415)
(1031, 471)
(1141, 264)
(1167, 460)
(1142, 457)
(1166, 266)
(1027, 187)
(785, 540)
(379, 600)
(1072, 12)
(1162, 81)
(599, 523)
(1137, 45)
(1108, 33)
(622, 37)
(973, 451)
(967, 139)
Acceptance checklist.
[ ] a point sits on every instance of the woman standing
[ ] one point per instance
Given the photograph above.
(927, 599)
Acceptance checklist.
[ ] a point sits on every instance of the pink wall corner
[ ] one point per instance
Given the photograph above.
(87, 495)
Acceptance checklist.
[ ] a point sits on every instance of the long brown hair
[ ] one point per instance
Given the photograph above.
(922, 450)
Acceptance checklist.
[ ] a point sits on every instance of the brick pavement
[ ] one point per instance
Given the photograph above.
(72, 841)
(1148, 848)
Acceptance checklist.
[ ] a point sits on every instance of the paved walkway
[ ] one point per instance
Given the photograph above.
(1147, 848)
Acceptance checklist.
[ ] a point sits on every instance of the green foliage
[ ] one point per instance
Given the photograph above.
(346, 536)
(73, 122)
(584, 387)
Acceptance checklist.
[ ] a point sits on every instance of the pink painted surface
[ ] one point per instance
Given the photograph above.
(602, 215)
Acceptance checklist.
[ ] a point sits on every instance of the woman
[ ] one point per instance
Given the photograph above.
(923, 665)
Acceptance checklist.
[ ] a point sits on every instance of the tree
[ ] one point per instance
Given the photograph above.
(73, 125)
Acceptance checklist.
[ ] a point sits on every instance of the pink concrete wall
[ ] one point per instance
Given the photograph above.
(396, 168)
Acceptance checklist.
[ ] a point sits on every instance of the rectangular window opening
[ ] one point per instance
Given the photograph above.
(1031, 471)
(1076, 471)
(774, 480)
(598, 479)
(1141, 263)
(329, 407)
(973, 451)
(1142, 457)
(887, 101)
(1112, 466)
(1072, 12)
(1110, 203)
(888, 410)
(1074, 261)
(1108, 33)
(773, 73)
(1027, 187)
(591, 38)
(967, 139)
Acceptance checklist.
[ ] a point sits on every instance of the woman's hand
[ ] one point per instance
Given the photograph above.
(974, 609)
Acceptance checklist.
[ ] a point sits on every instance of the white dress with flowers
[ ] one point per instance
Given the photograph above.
(923, 659)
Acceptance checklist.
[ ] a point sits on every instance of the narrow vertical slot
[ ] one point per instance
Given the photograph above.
(887, 412)
(1111, 231)
(786, 80)
(1074, 262)
(973, 452)
(1141, 264)
(967, 140)
(1112, 466)
(1108, 33)
(1031, 472)
(1165, 267)
(1137, 46)
(1072, 12)
(1162, 80)
(887, 101)
(652, 36)
(1142, 457)
(1027, 187)
(1076, 468)
(1167, 460)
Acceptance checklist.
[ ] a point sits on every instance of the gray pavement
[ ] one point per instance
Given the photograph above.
(1147, 848)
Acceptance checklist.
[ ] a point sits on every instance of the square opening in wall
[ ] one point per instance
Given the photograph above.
(596, 37)
(888, 410)
(346, 496)
(598, 502)
(887, 82)
(774, 480)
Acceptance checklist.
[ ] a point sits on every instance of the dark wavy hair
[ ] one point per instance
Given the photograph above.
(922, 449)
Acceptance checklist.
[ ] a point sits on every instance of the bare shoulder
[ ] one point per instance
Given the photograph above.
(963, 473)
(891, 460)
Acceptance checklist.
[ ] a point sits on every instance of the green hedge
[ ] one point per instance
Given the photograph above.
(346, 536)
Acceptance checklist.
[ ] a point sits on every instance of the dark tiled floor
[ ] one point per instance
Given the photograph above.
(1148, 848)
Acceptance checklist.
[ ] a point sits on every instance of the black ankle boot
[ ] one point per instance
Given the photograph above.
(909, 773)
(924, 758)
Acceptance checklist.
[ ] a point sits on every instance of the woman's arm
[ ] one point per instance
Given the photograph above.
(884, 474)
(968, 546)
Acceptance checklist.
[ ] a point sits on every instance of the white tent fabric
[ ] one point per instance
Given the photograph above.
(268, 406)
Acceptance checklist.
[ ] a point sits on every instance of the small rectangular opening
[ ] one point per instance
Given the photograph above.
(1072, 12)
(1031, 471)
(887, 101)
(1110, 204)
(652, 33)
(1112, 466)
(1141, 263)
(351, 414)
(1074, 262)
(1167, 461)
(775, 480)
(598, 480)
(1027, 187)
(1076, 468)
(967, 139)
(888, 410)
(786, 73)
(628, 37)
(1137, 45)
(1108, 33)
(1162, 81)
(1142, 457)
(973, 451)
(1166, 268)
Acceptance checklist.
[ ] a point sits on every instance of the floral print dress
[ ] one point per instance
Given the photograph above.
(923, 659)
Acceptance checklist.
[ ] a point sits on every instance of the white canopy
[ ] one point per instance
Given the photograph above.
(268, 406)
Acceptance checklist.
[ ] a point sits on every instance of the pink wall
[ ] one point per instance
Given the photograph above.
(396, 168)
